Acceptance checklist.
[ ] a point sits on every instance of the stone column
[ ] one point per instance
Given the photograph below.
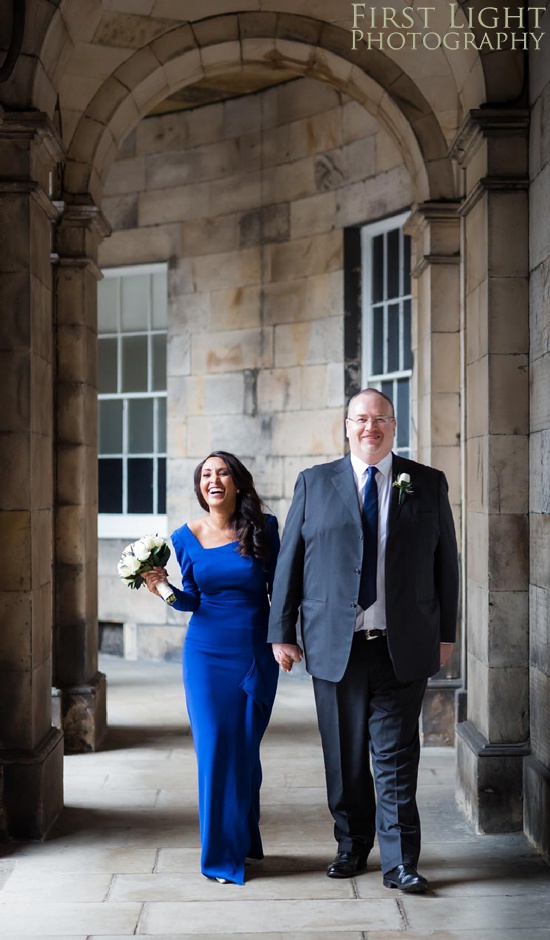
(492, 742)
(31, 750)
(434, 228)
(79, 689)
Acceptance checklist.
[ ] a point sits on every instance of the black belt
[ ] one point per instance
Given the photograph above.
(372, 634)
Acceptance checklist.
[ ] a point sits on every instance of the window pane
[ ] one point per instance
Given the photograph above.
(110, 485)
(107, 305)
(393, 338)
(387, 389)
(107, 356)
(159, 362)
(134, 363)
(135, 302)
(161, 491)
(159, 290)
(403, 413)
(378, 268)
(392, 249)
(140, 426)
(110, 427)
(407, 351)
(140, 484)
(378, 340)
(161, 425)
(407, 264)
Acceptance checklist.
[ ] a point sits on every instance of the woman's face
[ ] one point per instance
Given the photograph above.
(217, 486)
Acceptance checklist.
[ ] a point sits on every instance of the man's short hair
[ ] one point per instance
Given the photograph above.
(377, 392)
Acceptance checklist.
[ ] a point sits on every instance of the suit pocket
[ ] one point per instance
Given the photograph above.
(312, 616)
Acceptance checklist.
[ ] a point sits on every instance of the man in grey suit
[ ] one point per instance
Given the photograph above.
(369, 561)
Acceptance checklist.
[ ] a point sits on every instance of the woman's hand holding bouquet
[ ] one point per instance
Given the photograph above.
(143, 562)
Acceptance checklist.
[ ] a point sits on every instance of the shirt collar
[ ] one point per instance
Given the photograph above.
(384, 466)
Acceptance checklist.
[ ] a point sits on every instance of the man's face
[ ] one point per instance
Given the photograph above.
(370, 439)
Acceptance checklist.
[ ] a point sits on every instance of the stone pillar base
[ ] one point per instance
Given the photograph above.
(439, 713)
(80, 711)
(489, 781)
(31, 789)
(536, 787)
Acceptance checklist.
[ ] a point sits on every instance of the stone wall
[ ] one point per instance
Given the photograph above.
(537, 766)
(247, 201)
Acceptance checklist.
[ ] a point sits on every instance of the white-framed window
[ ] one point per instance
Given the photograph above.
(132, 323)
(386, 355)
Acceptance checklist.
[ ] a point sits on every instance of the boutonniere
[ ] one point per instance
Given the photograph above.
(403, 484)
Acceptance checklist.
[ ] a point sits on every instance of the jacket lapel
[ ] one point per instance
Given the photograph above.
(395, 508)
(344, 482)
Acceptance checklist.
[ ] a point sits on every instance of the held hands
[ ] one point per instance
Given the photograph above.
(286, 654)
(152, 578)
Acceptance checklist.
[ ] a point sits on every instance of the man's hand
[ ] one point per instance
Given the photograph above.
(286, 654)
(445, 653)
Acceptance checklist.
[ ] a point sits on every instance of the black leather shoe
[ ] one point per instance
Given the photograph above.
(406, 878)
(346, 865)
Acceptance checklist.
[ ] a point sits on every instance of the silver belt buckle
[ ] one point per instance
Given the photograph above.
(373, 634)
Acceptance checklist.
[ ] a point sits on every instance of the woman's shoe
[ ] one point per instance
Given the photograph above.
(223, 881)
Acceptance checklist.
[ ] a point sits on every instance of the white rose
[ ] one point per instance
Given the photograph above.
(150, 541)
(128, 566)
(404, 478)
(158, 540)
(141, 550)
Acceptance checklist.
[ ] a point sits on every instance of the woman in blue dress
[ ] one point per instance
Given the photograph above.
(227, 560)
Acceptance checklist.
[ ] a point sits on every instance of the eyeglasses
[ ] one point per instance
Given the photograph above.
(379, 421)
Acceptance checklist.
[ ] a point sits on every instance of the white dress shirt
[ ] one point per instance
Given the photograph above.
(375, 617)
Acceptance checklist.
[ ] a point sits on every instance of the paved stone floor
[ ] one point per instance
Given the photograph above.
(124, 859)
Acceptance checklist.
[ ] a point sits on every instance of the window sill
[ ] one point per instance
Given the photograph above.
(131, 526)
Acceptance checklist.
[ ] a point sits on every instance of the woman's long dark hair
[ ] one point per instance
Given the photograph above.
(248, 520)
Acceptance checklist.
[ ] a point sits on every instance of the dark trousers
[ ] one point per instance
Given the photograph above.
(370, 711)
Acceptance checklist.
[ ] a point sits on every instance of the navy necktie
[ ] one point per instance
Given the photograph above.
(367, 586)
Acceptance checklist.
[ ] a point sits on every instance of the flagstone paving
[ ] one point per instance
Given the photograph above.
(123, 860)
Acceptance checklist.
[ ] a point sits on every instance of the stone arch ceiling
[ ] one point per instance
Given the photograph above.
(114, 112)
(88, 39)
(107, 62)
(98, 34)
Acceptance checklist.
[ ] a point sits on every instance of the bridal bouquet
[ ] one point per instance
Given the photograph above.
(144, 555)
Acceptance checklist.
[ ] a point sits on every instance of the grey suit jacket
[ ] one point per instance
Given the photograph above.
(319, 566)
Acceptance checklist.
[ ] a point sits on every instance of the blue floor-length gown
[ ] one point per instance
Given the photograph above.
(230, 679)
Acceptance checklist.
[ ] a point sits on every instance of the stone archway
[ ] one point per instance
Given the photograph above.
(109, 102)
(309, 48)
(179, 59)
